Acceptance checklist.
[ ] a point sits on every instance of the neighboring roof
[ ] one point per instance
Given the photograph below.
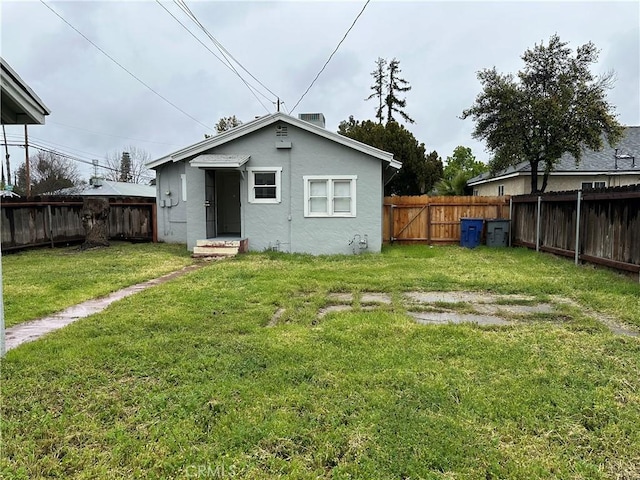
(267, 120)
(219, 161)
(20, 104)
(108, 188)
(605, 161)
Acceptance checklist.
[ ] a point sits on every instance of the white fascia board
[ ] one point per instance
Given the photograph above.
(21, 94)
(596, 173)
(495, 179)
(261, 122)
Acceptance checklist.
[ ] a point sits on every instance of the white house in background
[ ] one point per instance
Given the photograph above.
(610, 167)
(277, 182)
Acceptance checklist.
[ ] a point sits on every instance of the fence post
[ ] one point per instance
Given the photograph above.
(391, 224)
(538, 224)
(50, 224)
(577, 252)
(510, 219)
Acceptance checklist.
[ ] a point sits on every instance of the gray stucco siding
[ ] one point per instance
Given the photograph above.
(172, 212)
(282, 224)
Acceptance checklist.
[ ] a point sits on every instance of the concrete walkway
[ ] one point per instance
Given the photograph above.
(34, 329)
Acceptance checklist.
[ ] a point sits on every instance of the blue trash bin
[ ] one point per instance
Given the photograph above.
(471, 232)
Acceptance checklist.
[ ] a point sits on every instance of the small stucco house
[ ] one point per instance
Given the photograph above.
(610, 167)
(275, 183)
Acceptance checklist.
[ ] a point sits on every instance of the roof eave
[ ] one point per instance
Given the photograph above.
(22, 95)
(261, 122)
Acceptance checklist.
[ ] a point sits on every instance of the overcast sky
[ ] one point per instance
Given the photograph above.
(97, 108)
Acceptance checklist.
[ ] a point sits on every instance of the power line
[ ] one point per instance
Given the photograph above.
(225, 63)
(54, 144)
(183, 6)
(110, 135)
(331, 56)
(222, 47)
(124, 68)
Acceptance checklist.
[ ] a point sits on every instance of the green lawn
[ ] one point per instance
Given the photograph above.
(188, 380)
(44, 281)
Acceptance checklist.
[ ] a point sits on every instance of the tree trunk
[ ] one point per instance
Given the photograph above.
(534, 177)
(95, 220)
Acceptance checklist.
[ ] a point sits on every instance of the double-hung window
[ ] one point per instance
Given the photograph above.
(264, 184)
(330, 196)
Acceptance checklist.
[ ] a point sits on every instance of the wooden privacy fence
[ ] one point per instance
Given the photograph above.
(425, 219)
(600, 227)
(49, 221)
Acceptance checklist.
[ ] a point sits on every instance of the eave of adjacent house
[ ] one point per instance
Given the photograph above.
(29, 109)
(267, 120)
(579, 173)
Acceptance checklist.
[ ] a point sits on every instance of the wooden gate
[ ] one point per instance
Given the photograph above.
(425, 219)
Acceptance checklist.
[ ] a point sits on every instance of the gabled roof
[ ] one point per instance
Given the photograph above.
(20, 104)
(109, 188)
(605, 161)
(265, 121)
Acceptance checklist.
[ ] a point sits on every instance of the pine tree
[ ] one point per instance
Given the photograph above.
(125, 168)
(396, 85)
(379, 87)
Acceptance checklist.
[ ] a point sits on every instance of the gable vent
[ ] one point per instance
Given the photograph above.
(281, 131)
(315, 118)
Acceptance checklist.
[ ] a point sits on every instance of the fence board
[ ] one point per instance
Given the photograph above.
(425, 219)
(609, 225)
(54, 220)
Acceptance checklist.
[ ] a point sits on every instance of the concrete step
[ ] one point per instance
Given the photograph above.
(216, 247)
(216, 251)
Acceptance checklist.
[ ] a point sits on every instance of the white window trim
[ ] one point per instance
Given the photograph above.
(252, 192)
(330, 179)
(501, 190)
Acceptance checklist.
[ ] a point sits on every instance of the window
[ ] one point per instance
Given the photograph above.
(476, 192)
(599, 184)
(500, 190)
(586, 186)
(264, 184)
(183, 183)
(330, 196)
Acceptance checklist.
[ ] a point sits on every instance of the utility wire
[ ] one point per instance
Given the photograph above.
(54, 144)
(44, 148)
(225, 63)
(124, 68)
(110, 135)
(331, 56)
(221, 49)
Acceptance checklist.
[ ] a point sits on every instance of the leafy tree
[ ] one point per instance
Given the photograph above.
(463, 161)
(419, 171)
(128, 165)
(379, 87)
(227, 123)
(555, 106)
(49, 172)
(395, 86)
(460, 167)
